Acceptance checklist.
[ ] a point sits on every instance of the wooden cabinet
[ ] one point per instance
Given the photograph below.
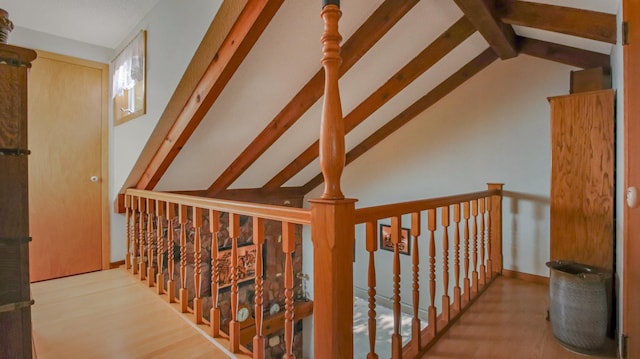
(15, 298)
(582, 178)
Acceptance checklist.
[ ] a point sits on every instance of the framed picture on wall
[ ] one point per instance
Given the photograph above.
(404, 245)
(247, 256)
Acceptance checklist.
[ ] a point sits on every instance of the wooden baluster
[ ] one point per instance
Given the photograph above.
(489, 254)
(416, 338)
(483, 241)
(135, 235)
(160, 210)
(258, 240)
(183, 293)
(372, 247)
(288, 247)
(456, 263)
(496, 228)
(142, 270)
(234, 325)
(151, 272)
(396, 337)
(446, 302)
(467, 283)
(197, 270)
(214, 314)
(433, 322)
(127, 220)
(171, 284)
(332, 145)
(474, 273)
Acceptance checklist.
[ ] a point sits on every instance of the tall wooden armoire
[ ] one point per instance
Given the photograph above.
(582, 178)
(15, 296)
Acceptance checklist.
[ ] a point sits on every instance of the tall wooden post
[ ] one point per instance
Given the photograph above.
(332, 216)
(496, 229)
(15, 296)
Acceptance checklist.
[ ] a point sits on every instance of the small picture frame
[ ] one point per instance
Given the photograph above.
(246, 265)
(404, 246)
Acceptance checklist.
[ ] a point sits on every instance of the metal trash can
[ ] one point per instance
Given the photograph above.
(579, 305)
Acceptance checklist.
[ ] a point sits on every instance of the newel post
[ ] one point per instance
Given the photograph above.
(332, 216)
(496, 228)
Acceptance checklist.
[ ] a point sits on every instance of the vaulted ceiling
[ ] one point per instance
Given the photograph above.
(252, 120)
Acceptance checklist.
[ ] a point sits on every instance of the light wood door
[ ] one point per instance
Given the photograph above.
(631, 271)
(582, 178)
(65, 137)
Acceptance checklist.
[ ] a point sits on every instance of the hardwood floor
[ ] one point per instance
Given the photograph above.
(507, 321)
(83, 317)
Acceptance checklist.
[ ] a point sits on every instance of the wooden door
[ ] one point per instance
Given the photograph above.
(65, 167)
(631, 269)
(582, 178)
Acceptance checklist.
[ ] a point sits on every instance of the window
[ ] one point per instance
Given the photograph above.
(129, 74)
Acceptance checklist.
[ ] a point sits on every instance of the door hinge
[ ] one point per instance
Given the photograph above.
(623, 346)
(625, 33)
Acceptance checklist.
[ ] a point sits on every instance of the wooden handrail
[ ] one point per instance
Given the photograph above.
(278, 213)
(369, 214)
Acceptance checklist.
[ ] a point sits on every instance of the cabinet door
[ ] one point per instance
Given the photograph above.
(582, 178)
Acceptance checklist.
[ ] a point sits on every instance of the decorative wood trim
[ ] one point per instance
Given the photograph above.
(245, 32)
(527, 277)
(294, 195)
(360, 42)
(466, 72)
(566, 20)
(439, 48)
(500, 36)
(563, 54)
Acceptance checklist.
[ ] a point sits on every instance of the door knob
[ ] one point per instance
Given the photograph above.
(94, 179)
(632, 197)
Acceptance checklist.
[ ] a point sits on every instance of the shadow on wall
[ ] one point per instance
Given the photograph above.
(529, 231)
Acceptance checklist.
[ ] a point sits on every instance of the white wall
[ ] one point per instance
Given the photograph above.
(174, 32)
(494, 128)
(617, 68)
(42, 41)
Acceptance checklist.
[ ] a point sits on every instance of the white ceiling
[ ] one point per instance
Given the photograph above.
(103, 23)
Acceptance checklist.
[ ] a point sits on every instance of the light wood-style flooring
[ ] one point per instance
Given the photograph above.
(83, 317)
(110, 314)
(507, 321)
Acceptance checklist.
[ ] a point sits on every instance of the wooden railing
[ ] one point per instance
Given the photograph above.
(463, 246)
(177, 243)
(168, 238)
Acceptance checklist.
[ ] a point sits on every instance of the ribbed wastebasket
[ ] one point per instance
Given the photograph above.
(579, 305)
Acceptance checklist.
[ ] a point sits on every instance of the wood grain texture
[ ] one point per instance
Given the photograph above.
(563, 54)
(459, 77)
(571, 21)
(435, 51)
(15, 325)
(65, 127)
(500, 36)
(582, 178)
(385, 16)
(245, 32)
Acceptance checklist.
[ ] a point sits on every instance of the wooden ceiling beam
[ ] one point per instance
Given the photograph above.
(439, 48)
(571, 21)
(447, 86)
(500, 36)
(254, 18)
(372, 30)
(563, 54)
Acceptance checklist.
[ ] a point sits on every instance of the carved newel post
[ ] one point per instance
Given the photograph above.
(332, 216)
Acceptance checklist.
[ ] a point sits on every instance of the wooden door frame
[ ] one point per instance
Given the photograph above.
(104, 147)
